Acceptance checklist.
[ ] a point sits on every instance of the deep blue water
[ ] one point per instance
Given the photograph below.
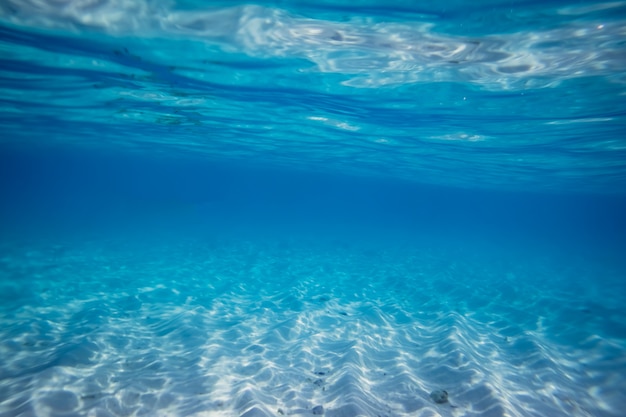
(305, 208)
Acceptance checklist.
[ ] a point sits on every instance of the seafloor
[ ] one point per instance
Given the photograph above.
(269, 327)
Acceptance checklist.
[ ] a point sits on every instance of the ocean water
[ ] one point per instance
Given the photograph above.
(294, 208)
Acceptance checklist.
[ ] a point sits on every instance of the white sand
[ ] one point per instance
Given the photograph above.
(242, 328)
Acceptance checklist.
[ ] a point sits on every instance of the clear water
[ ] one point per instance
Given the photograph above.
(312, 208)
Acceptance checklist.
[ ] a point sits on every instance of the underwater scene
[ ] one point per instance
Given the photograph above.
(299, 208)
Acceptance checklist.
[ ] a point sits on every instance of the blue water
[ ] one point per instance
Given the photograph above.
(312, 208)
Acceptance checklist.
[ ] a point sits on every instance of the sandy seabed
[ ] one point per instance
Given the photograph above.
(248, 328)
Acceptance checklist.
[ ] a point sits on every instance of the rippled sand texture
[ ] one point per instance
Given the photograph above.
(291, 328)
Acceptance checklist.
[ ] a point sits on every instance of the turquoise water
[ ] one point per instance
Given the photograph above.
(312, 208)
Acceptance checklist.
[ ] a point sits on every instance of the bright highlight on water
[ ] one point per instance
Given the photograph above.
(306, 208)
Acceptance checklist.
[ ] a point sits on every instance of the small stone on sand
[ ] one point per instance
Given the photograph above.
(439, 396)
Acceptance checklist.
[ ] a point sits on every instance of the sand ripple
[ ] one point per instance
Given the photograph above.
(245, 329)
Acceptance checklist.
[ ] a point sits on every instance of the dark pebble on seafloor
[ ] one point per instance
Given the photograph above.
(318, 410)
(439, 396)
